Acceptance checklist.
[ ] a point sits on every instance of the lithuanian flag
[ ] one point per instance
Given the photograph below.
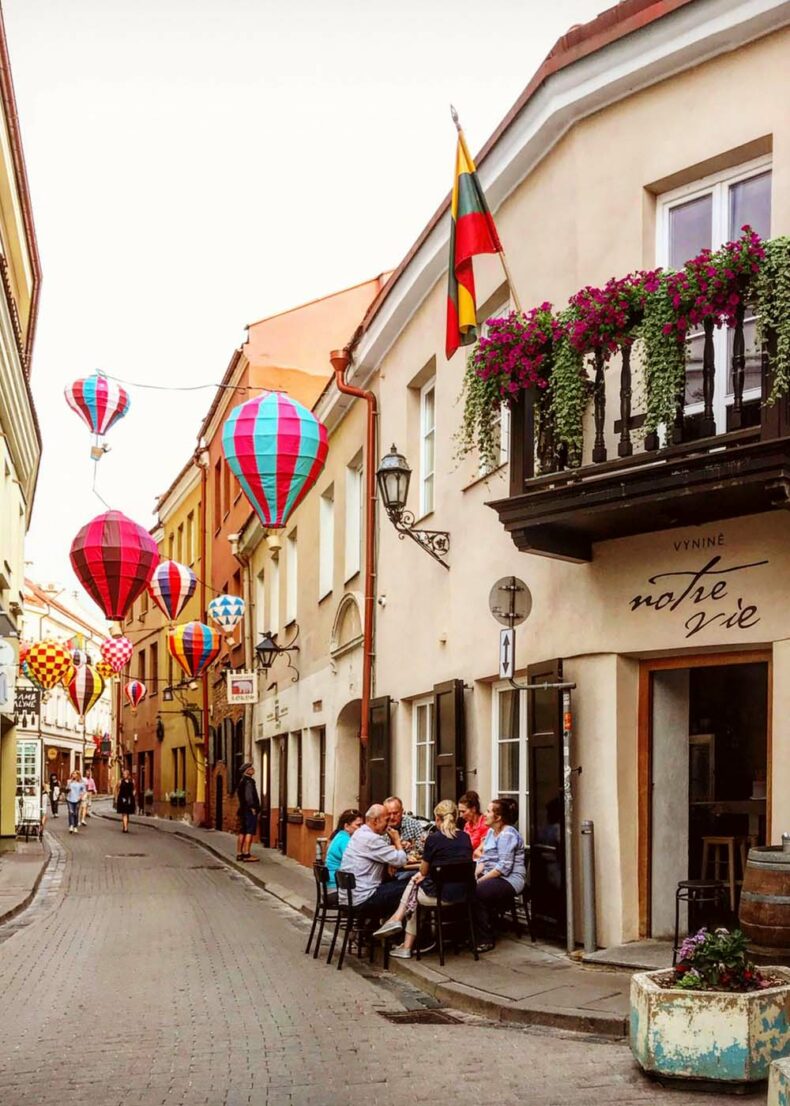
(472, 231)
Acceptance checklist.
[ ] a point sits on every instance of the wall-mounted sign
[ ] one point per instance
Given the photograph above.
(27, 701)
(510, 601)
(242, 687)
(713, 595)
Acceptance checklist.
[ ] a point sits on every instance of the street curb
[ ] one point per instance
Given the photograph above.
(458, 995)
(25, 903)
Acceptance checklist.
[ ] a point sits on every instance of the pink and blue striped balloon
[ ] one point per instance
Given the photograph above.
(276, 448)
(98, 401)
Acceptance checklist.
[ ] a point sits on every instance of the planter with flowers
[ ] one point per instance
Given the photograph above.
(715, 1016)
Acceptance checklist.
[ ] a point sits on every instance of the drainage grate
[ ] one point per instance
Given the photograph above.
(206, 867)
(121, 856)
(420, 1017)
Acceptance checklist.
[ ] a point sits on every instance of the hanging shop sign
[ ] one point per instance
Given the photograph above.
(242, 687)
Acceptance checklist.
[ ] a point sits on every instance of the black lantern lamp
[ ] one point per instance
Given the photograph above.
(393, 477)
(267, 651)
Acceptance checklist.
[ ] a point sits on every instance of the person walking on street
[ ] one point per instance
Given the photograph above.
(125, 800)
(249, 809)
(54, 794)
(75, 789)
(90, 791)
(43, 809)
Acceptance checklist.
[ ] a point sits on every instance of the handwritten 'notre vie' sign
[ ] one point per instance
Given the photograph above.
(706, 596)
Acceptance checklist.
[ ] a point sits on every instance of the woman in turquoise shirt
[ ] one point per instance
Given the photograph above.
(348, 823)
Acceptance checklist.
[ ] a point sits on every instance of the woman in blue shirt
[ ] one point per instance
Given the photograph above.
(348, 823)
(75, 789)
(501, 870)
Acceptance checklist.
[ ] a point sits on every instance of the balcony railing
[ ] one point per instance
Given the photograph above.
(695, 467)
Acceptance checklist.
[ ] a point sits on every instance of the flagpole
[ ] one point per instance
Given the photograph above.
(501, 253)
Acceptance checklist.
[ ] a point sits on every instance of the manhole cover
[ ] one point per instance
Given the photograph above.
(419, 1017)
(121, 856)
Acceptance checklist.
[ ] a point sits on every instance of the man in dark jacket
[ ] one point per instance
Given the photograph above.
(249, 809)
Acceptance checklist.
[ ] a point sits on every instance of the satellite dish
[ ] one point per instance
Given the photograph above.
(510, 601)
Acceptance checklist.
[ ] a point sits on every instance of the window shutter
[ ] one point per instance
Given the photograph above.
(450, 739)
(375, 783)
(546, 798)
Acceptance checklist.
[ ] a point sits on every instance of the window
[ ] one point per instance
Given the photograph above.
(322, 769)
(144, 603)
(326, 542)
(294, 781)
(424, 758)
(427, 446)
(705, 215)
(354, 501)
(501, 424)
(259, 626)
(274, 596)
(141, 666)
(225, 489)
(189, 552)
(180, 544)
(510, 750)
(154, 674)
(218, 495)
(171, 547)
(291, 580)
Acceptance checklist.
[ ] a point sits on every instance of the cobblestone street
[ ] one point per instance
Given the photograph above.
(146, 972)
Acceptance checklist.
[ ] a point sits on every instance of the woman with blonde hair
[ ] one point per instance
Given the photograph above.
(447, 844)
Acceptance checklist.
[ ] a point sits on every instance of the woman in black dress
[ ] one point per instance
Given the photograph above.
(124, 799)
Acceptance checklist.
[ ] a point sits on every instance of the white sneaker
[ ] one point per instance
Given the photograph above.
(389, 928)
(401, 953)
(76, 830)
(71, 829)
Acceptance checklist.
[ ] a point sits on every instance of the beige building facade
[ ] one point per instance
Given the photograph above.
(641, 139)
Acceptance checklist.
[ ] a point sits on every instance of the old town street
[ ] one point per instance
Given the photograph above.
(147, 971)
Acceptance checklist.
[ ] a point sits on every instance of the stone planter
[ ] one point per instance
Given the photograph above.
(779, 1084)
(707, 1034)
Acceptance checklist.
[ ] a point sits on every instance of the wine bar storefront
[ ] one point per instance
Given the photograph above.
(681, 736)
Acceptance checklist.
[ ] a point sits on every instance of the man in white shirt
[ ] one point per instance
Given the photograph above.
(370, 850)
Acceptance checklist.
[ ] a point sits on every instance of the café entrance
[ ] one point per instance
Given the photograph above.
(704, 775)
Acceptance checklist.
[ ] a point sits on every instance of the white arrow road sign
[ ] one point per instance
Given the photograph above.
(507, 650)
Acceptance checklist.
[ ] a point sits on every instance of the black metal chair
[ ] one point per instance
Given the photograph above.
(325, 906)
(353, 917)
(524, 900)
(703, 896)
(461, 873)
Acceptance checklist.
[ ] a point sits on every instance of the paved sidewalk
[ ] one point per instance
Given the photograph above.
(20, 872)
(517, 983)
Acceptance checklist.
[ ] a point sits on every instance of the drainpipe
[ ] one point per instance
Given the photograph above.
(245, 562)
(201, 460)
(340, 360)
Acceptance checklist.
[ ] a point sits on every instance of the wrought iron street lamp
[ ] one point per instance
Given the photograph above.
(393, 477)
(267, 651)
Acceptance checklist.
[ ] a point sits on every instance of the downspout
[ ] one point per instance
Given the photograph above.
(201, 459)
(340, 360)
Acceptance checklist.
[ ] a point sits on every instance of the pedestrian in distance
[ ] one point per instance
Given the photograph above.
(75, 789)
(43, 809)
(249, 809)
(125, 802)
(54, 794)
(87, 799)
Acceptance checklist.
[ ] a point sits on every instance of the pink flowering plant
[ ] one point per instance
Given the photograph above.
(515, 352)
(716, 961)
(605, 319)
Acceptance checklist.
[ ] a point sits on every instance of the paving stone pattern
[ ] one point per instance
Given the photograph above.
(164, 979)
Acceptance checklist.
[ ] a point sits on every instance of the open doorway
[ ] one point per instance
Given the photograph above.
(708, 787)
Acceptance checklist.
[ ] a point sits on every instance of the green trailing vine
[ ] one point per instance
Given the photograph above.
(772, 303)
(663, 357)
(480, 424)
(568, 394)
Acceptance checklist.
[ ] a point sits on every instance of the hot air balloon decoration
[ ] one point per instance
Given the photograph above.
(24, 669)
(100, 403)
(135, 692)
(24, 649)
(105, 669)
(48, 662)
(276, 448)
(79, 657)
(171, 587)
(226, 611)
(117, 652)
(114, 559)
(85, 689)
(195, 646)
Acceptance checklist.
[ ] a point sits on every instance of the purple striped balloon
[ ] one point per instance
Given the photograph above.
(172, 585)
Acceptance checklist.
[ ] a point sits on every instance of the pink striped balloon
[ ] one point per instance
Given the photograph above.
(135, 692)
(99, 402)
(172, 585)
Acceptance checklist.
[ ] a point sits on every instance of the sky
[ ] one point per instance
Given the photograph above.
(196, 165)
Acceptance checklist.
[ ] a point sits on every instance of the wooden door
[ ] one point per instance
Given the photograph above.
(374, 762)
(450, 739)
(546, 799)
(282, 816)
(266, 793)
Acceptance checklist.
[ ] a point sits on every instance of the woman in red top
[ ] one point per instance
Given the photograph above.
(474, 821)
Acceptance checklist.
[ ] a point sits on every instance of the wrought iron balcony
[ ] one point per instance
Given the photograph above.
(627, 483)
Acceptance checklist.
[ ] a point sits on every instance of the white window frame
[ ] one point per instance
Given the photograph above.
(274, 596)
(355, 498)
(522, 796)
(717, 185)
(291, 577)
(427, 504)
(326, 542)
(429, 705)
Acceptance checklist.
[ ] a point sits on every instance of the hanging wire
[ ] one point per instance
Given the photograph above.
(188, 387)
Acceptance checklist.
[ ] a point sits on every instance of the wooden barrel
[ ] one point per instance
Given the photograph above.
(764, 913)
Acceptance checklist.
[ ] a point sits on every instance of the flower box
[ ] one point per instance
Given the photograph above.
(313, 822)
(295, 818)
(723, 1036)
